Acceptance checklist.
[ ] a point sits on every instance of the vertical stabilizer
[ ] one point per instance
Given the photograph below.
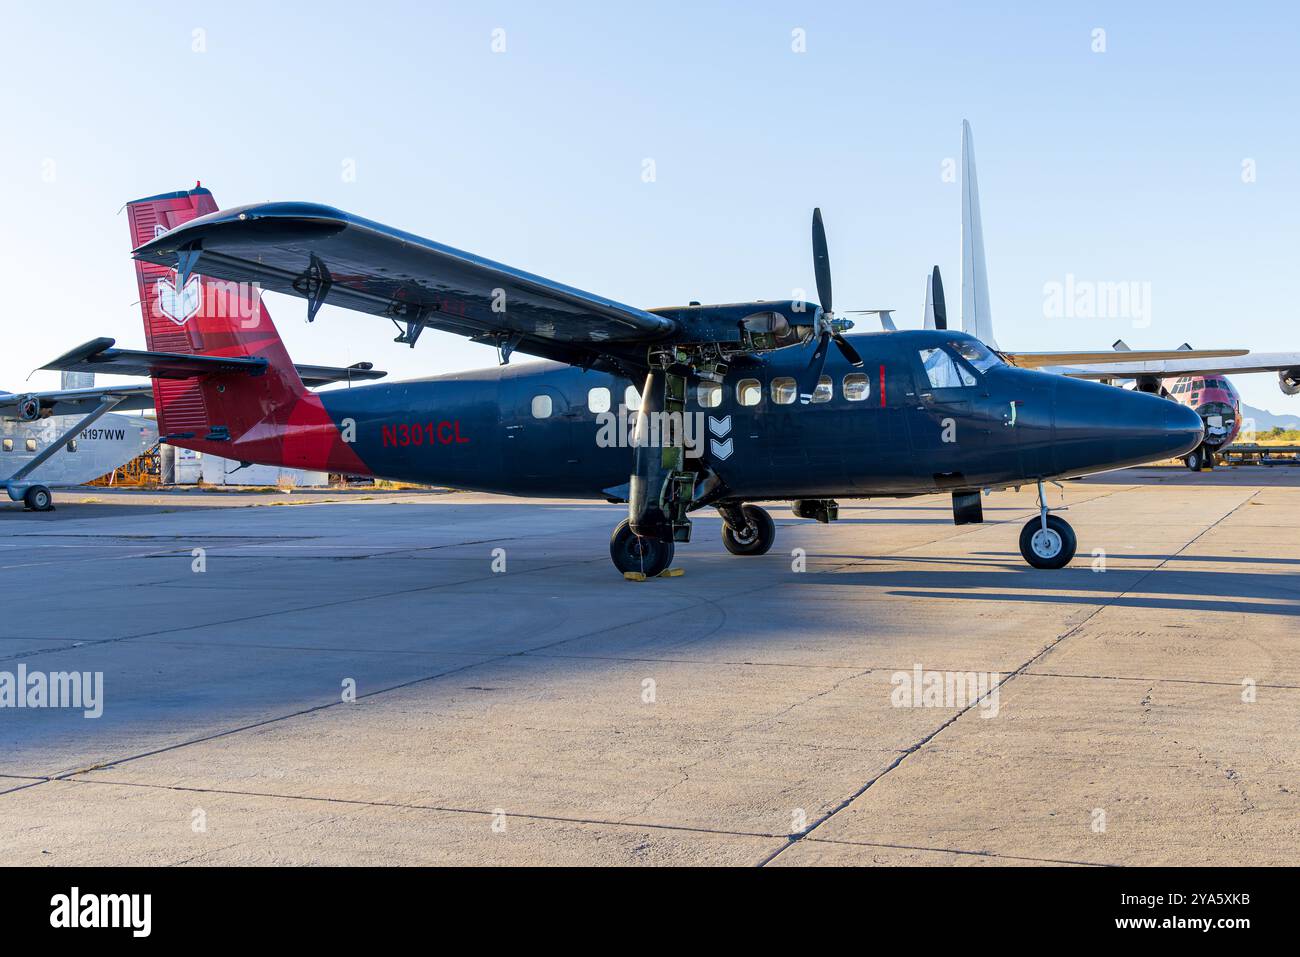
(976, 318)
(928, 314)
(269, 418)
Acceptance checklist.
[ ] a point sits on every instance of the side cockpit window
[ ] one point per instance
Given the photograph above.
(943, 371)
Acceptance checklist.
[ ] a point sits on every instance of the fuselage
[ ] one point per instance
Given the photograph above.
(928, 411)
(1215, 400)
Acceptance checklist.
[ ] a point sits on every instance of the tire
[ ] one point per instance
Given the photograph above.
(632, 553)
(756, 539)
(38, 499)
(1051, 550)
(1195, 460)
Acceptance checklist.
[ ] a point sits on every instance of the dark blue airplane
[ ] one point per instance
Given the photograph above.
(669, 410)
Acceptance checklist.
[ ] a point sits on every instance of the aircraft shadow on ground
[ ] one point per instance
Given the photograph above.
(1174, 588)
(1264, 475)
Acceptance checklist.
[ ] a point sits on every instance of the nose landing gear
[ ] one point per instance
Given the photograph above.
(1199, 459)
(1047, 541)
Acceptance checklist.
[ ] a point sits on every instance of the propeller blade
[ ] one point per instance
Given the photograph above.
(821, 262)
(812, 375)
(847, 350)
(940, 308)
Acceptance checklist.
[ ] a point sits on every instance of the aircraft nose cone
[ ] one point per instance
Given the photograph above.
(1184, 428)
(1101, 427)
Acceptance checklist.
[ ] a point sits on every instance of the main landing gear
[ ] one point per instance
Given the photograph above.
(747, 529)
(1047, 541)
(38, 499)
(636, 553)
(35, 498)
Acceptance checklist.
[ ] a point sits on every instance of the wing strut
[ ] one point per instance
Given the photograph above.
(14, 484)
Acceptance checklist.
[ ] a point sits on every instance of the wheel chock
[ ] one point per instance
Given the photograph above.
(642, 576)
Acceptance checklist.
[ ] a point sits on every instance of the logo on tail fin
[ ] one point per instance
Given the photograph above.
(180, 306)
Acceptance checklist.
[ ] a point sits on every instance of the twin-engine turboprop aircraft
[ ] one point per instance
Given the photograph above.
(733, 403)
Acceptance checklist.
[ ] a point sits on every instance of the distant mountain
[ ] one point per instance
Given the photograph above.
(1265, 420)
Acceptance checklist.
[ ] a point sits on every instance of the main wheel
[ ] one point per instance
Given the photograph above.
(1195, 459)
(755, 538)
(1052, 547)
(39, 499)
(632, 553)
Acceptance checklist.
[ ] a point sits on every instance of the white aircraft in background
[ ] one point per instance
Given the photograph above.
(70, 436)
(1159, 372)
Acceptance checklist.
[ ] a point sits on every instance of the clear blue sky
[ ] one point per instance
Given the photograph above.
(1115, 166)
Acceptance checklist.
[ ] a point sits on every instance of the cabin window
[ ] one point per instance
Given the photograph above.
(597, 400)
(72, 445)
(749, 392)
(31, 445)
(632, 398)
(825, 390)
(943, 372)
(9, 445)
(541, 407)
(856, 386)
(709, 395)
(784, 390)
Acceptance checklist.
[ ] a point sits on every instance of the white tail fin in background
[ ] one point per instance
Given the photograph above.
(976, 317)
(929, 301)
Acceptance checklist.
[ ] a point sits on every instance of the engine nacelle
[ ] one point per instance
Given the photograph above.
(1289, 381)
(29, 408)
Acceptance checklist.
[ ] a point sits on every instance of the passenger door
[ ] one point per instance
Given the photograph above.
(539, 439)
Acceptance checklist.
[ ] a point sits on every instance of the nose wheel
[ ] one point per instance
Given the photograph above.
(1047, 541)
(1199, 459)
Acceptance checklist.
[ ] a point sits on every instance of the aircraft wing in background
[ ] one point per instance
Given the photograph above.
(1055, 361)
(1130, 365)
(27, 406)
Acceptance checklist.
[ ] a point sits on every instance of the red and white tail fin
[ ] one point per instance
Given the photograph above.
(233, 415)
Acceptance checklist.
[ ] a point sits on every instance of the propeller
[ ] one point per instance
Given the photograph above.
(940, 307)
(825, 328)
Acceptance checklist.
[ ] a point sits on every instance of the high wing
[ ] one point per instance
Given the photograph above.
(1183, 363)
(31, 405)
(323, 254)
(1051, 361)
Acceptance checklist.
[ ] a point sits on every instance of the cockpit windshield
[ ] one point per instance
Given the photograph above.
(976, 353)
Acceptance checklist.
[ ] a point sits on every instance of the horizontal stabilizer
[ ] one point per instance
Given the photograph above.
(327, 375)
(100, 355)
